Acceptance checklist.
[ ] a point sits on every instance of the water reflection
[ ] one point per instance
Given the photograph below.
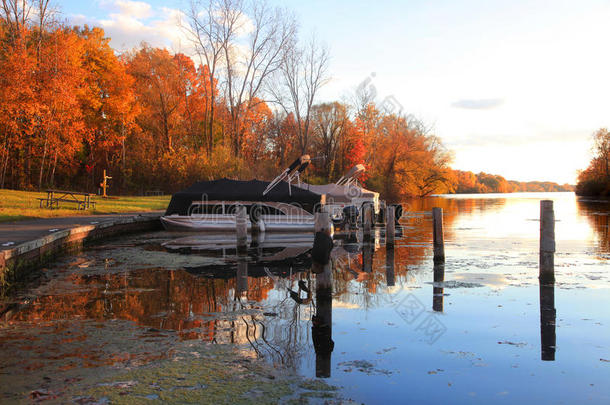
(598, 216)
(277, 305)
(438, 291)
(389, 266)
(322, 322)
(547, 322)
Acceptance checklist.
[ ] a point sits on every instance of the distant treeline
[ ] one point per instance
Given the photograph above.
(468, 182)
(595, 180)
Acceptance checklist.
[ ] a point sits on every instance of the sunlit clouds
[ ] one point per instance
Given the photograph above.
(129, 23)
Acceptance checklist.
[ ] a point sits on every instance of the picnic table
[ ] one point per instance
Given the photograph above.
(54, 197)
(154, 192)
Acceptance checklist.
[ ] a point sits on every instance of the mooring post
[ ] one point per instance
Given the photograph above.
(323, 239)
(241, 228)
(547, 242)
(390, 230)
(439, 243)
(323, 222)
(256, 220)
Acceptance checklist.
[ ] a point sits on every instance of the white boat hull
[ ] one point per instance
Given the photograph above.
(218, 223)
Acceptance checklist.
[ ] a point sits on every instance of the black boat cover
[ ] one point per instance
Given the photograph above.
(237, 190)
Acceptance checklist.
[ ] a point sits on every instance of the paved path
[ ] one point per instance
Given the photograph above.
(16, 232)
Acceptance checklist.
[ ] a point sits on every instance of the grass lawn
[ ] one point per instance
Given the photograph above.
(16, 205)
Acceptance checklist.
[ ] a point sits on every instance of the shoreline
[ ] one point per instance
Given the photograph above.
(18, 262)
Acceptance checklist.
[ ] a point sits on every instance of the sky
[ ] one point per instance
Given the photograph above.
(513, 87)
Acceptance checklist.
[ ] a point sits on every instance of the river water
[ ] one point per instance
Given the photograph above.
(392, 328)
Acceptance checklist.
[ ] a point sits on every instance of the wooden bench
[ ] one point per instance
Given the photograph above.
(54, 197)
(154, 192)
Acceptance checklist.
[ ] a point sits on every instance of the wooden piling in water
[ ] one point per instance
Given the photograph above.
(390, 230)
(323, 240)
(257, 224)
(547, 242)
(322, 222)
(241, 228)
(439, 243)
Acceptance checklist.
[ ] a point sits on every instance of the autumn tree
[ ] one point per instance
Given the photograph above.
(159, 90)
(62, 126)
(329, 129)
(303, 71)
(595, 180)
(282, 137)
(209, 32)
(107, 103)
(242, 43)
(408, 162)
(257, 125)
(71, 107)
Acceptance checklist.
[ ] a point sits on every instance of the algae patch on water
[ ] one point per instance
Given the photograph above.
(218, 375)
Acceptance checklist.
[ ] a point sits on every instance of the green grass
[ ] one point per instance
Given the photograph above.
(18, 205)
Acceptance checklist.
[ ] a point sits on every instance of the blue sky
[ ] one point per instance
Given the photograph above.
(512, 87)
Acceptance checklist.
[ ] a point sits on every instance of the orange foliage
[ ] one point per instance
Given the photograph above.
(468, 182)
(595, 180)
(71, 108)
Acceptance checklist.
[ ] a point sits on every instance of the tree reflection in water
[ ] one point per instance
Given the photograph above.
(269, 304)
(596, 212)
(242, 300)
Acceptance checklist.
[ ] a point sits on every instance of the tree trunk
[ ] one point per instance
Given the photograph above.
(210, 143)
(44, 156)
(52, 182)
(4, 166)
(27, 177)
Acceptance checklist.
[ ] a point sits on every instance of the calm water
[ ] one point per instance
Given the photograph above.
(388, 334)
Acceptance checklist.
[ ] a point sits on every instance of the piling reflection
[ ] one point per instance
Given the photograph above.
(128, 303)
(437, 290)
(368, 250)
(242, 277)
(389, 266)
(547, 322)
(321, 330)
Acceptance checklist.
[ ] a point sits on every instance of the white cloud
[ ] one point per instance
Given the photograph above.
(478, 104)
(129, 23)
(136, 9)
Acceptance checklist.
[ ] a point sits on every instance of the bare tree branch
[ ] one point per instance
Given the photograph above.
(303, 72)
